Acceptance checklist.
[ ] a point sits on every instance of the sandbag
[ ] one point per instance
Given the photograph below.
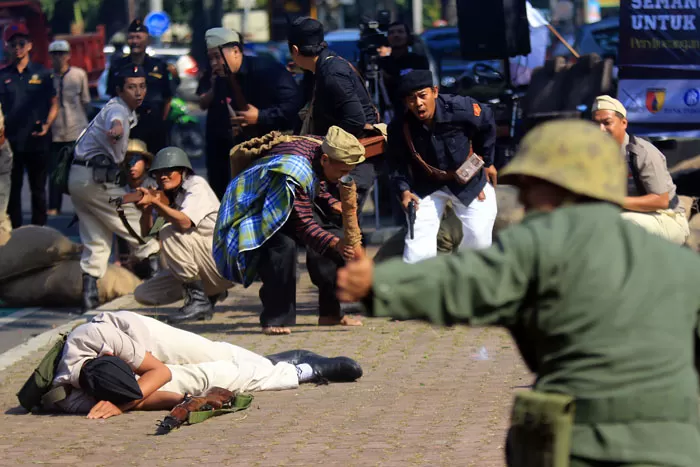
(686, 202)
(61, 286)
(510, 211)
(693, 241)
(451, 233)
(4, 237)
(31, 248)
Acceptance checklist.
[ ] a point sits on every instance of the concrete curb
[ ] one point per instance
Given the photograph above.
(17, 353)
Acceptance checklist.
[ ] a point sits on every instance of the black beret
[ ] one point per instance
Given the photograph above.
(305, 31)
(414, 80)
(132, 71)
(109, 378)
(137, 26)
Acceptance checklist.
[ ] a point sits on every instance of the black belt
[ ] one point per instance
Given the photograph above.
(673, 204)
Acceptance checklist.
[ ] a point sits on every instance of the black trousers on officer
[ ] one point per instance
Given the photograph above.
(35, 163)
(218, 165)
(278, 271)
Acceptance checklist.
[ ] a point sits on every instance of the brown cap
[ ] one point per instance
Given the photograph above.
(341, 146)
(138, 147)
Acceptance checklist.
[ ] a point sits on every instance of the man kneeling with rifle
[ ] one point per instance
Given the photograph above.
(188, 207)
(100, 360)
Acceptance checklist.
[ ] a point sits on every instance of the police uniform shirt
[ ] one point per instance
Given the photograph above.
(158, 89)
(458, 121)
(197, 201)
(26, 99)
(96, 141)
(653, 171)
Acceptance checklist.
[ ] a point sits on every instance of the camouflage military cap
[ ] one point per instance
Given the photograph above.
(573, 154)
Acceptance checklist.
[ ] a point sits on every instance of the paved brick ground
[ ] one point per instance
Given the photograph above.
(429, 396)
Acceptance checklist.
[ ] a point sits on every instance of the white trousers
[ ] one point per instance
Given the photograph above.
(98, 220)
(667, 224)
(197, 363)
(477, 223)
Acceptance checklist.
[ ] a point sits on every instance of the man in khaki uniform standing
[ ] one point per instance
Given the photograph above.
(186, 238)
(651, 200)
(5, 176)
(94, 179)
(73, 96)
(603, 312)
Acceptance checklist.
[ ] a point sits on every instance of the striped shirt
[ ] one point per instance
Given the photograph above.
(306, 227)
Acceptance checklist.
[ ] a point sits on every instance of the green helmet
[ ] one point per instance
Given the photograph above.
(170, 158)
(575, 155)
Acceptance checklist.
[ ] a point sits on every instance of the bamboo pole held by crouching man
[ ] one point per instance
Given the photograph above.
(348, 202)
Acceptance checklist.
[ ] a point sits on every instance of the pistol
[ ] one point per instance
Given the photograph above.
(411, 218)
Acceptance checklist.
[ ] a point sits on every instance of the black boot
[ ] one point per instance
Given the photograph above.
(336, 369)
(197, 305)
(91, 298)
(147, 268)
(291, 356)
(214, 299)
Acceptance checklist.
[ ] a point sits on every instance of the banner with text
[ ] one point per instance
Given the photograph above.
(654, 101)
(659, 32)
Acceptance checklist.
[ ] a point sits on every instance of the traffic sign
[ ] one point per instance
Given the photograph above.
(157, 23)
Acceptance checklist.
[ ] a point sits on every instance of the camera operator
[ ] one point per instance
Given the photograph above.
(339, 96)
(400, 39)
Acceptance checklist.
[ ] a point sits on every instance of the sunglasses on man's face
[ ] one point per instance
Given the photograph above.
(19, 43)
(163, 173)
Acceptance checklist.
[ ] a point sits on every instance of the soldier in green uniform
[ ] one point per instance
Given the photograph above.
(603, 312)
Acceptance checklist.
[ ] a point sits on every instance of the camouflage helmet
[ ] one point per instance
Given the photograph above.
(575, 155)
(171, 158)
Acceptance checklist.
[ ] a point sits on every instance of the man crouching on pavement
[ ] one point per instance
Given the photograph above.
(101, 358)
(190, 214)
(269, 209)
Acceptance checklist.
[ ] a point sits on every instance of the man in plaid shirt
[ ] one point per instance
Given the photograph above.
(251, 241)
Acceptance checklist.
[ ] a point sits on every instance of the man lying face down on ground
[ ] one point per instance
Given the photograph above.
(124, 361)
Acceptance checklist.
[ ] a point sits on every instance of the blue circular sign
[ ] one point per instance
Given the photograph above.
(692, 97)
(157, 23)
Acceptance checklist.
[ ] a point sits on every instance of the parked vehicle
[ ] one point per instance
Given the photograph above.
(86, 49)
(456, 74)
(601, 38)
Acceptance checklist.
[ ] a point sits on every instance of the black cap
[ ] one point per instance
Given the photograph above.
(137, 26)
(109, 378)
(305, 31)
(132, 71)
(414, 80)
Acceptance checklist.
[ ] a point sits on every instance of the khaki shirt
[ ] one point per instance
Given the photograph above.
(653, 170)
(73, 95)
(197, 201)
(97, 142)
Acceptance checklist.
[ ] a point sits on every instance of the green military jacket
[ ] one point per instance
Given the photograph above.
(600, 309)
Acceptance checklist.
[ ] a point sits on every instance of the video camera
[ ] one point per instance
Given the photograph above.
(373, 33)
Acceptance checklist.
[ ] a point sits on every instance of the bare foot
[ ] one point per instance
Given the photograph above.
(52, 212)
(333, 321)
(276, 331)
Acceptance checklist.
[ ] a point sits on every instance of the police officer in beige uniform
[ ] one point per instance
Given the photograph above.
(186, 239)
(651, 201)
(5, 176)
(172, 362)
(94, 180)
